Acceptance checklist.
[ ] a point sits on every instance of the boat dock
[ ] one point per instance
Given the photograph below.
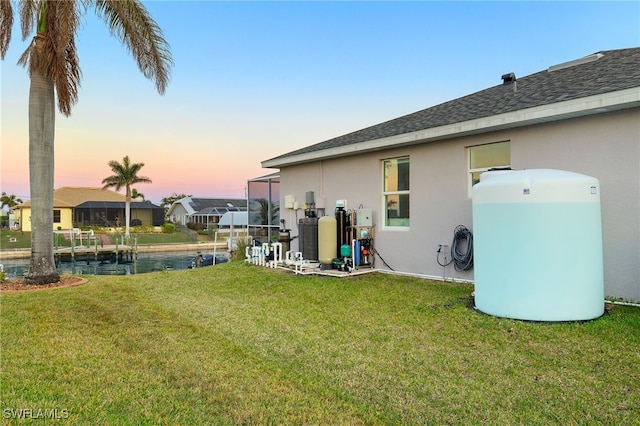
(112, 253)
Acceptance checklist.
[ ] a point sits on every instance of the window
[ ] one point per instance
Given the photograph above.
(56, 216)
(395, 192)
(485, 157)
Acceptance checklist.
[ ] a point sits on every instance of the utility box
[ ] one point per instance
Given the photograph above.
(364, 217)
(289, 201)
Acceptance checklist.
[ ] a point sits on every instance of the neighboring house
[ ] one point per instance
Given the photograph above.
(203, 210)
(74, 207)
(416, 172)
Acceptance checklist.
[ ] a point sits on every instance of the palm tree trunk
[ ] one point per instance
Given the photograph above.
(42, 268)
(127, 212)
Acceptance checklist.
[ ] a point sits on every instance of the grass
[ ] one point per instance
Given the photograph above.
(22, 239)
(237, 344)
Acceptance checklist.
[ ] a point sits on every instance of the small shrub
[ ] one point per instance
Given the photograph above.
(95, 229)
(136, 222)
(168, 228)
(195, 226)
(239, 252)
(141, 229)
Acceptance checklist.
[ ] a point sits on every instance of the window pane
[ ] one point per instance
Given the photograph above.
(264, 203)
(396, 175)
(403, 174)
(397, 213)
(493, 155)
(390, 175)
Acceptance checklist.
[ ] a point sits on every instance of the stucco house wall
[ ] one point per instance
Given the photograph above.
(606, 146)
(87, 206)
(145, 216)
(178, 214)
(66, 218)
(581, 116)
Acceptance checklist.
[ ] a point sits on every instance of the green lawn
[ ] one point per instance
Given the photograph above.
(10, 239)
(236, 344)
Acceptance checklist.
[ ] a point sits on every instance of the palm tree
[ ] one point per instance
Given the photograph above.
(9, 200)
(268, 212)
(125, 175)
(167, 202)
(135, 194)
(52, 61)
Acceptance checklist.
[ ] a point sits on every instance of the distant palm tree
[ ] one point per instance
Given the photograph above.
(9, 200)
(135, 194)
(52, 61)
(166, 202)
(268, 212)
(125, 175)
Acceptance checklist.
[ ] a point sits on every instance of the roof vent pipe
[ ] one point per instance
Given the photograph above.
(509, 79)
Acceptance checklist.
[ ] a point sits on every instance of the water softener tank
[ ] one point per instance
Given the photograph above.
(308, 237)
(538, 245)
(327, 237)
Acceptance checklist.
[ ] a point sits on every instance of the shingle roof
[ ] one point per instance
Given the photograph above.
(602, 72)
(224, 204)
(71, 196)
(141, 205)
(209, 206)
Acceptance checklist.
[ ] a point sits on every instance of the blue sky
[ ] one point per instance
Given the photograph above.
(253, 80)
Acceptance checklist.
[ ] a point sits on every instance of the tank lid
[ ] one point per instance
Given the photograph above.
(535, 185)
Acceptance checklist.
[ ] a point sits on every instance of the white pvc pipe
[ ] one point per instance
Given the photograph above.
(215, 245)
(277, 252)
(298, 262)
(264, 254)
(353, 254)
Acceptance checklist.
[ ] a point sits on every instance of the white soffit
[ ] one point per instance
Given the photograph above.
(612, 101)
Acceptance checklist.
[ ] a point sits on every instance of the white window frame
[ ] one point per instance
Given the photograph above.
(471, 171)
(401, 223)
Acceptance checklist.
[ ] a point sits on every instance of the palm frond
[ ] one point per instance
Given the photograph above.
(6, 24)
(65, 66)
(130, 22)
(28, 10)
(125, 174)
(53, 50)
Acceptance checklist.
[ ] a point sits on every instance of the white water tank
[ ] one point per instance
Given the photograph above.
(538, 245)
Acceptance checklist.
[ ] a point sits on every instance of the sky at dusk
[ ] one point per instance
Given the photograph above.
(254, 80)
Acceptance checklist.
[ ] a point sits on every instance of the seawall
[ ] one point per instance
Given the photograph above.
(146, 248)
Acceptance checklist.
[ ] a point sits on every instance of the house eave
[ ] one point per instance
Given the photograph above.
(596, 104)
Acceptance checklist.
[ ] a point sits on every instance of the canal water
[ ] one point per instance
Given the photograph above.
(146, 262)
